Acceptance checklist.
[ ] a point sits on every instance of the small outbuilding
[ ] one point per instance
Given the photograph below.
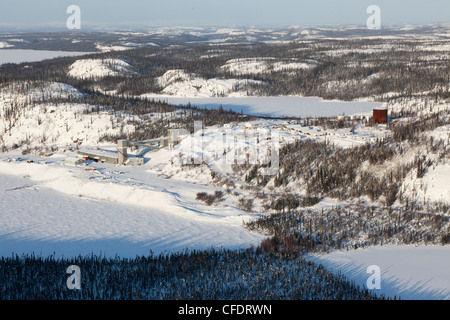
(74, 161)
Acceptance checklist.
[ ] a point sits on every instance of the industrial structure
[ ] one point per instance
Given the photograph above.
(121, 157)
(380, 115)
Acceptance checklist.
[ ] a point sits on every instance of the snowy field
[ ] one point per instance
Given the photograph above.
(25, 55)
(413, 273)
(277, 106)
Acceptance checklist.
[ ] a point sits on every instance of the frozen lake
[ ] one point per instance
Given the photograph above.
(25, 55)
(296, 106)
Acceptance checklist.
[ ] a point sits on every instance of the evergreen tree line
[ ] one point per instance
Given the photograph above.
(349, 227)
(211, 274)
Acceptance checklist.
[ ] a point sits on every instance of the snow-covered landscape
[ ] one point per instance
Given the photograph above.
(125, 213)
(347, 193)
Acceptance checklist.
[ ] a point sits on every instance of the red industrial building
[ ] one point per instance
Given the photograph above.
(380, 115)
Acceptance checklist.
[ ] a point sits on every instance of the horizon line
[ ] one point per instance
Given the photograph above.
(89, 26)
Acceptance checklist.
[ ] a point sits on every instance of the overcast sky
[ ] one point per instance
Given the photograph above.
(116, 13)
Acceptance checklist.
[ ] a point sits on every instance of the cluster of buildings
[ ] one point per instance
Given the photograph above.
(121, 155)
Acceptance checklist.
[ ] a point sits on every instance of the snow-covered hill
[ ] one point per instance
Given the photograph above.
(263, 65)
(28, 118)
(181, 84)
(62, 125)
(98, 68)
